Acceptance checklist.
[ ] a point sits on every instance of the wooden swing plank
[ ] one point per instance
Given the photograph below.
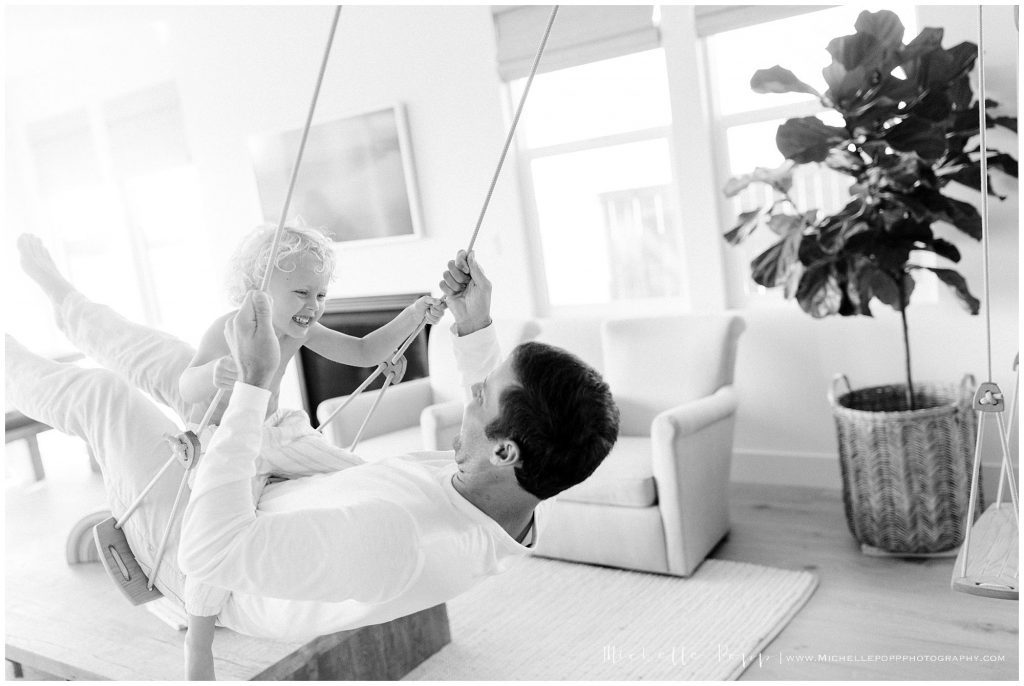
(71, 622)
(992, 568)
(119, 561)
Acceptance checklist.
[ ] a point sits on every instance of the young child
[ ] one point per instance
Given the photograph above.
(303, 266)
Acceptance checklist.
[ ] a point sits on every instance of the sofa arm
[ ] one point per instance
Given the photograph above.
(440, 424)
(691, 458)
(399, 409)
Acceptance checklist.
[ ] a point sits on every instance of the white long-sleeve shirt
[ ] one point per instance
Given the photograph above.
(328, 552)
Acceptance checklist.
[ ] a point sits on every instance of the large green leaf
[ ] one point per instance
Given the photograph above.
(962, 215)
(936, 106)
(779, 80)
(887, 289)
(852, 51)
(959, 284)
(918, 135)
(772, 267)
(940, 68)
(944, 248)
(784, 224)
(819, 293)
(807, 139)
(1006, 122)
(1003, 161)
(857, 286)
(928, 40)
(846, 86)
(745, 225)
(885, 26)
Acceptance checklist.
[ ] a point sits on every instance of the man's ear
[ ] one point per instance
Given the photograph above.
(505, 454)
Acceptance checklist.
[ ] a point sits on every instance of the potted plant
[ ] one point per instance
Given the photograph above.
(908, 116)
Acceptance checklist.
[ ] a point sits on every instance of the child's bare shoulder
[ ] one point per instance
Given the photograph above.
(213, 341)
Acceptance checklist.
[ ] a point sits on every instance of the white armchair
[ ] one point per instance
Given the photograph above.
(421, 414)
(659, 502)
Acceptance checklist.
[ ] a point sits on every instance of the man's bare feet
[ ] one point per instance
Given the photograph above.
(39, 265)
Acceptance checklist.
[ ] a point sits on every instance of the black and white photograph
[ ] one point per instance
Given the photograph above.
(356, 177)
(465, 342)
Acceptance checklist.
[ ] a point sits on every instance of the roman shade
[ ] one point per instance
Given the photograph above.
(580, 34)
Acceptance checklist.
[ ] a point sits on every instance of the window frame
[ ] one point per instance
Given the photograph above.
(538, 265)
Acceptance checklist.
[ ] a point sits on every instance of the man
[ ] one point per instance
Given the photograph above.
(366, 542)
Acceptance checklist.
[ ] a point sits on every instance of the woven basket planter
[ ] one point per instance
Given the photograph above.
(906, 474)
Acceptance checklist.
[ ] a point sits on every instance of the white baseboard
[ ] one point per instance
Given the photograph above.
(815, 470)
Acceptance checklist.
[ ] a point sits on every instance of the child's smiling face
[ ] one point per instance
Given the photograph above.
(299, 295)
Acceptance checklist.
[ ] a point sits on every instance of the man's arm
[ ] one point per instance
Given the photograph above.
(468, 292)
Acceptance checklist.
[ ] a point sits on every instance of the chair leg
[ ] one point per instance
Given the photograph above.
(36, 458)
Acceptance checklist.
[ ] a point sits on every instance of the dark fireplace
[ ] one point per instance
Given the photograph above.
(320, 379)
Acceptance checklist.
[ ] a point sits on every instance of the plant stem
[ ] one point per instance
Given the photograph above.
(906, 343)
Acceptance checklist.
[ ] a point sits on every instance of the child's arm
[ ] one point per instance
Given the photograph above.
(375, 346)
(199, 649)
(211, 367)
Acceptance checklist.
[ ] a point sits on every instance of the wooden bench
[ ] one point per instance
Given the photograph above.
(70, 622)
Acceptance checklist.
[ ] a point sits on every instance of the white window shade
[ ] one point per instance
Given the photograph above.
(581, 34)
(710, 19)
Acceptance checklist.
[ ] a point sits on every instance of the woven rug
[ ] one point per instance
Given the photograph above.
(547, 620)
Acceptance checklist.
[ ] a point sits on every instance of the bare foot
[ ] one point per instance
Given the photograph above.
(39, 265)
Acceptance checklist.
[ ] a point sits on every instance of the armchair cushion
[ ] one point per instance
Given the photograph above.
(656, 363)
(404, 401)
(625, 478)
(440, 424)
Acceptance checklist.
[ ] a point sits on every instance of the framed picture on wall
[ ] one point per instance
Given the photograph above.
(356, 177)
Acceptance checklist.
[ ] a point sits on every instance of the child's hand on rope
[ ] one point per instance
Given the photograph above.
(250, 336)
(468, 292)
(431, 308)
(225, 373)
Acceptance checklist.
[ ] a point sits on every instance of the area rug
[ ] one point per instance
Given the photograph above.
(552, 620)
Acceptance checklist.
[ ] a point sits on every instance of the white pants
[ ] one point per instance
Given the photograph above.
(126, 430)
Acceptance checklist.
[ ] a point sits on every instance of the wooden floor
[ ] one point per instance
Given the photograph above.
(870, 618)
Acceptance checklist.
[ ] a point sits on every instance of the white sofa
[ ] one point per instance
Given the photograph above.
(659, 502)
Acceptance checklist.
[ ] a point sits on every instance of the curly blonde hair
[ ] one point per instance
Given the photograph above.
(252, 255)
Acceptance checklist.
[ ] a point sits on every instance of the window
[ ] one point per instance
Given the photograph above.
(745, 122)
(117, 187)
(594, 141)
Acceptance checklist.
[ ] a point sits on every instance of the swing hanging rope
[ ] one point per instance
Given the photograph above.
(995, 573)
(263, 287)
(390, 365)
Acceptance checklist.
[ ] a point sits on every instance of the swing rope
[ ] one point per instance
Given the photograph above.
(990, 577)
(192, 449)
(984, 192)
(512, 129)
(390, 364)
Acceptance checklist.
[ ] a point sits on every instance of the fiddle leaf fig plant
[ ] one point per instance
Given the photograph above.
(908, 118)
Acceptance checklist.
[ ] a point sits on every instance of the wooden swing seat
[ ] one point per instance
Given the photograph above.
(992, 569)
(67, 621)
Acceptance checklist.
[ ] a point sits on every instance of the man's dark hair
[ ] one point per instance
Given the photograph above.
(561, 415)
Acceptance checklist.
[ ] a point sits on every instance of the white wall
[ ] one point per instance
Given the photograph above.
(245, 71)
(249, 70)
